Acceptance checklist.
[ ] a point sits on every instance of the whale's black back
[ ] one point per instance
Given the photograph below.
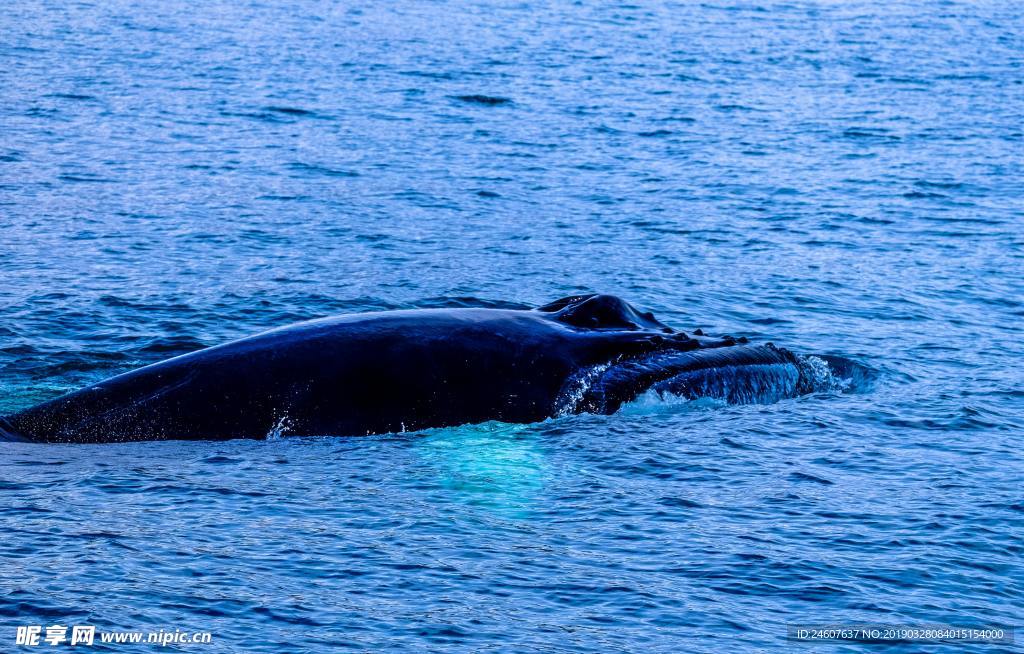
(356, 375)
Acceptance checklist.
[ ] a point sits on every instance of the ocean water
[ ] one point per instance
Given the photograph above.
(842, 178)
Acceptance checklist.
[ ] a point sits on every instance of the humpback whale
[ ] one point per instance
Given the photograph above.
(391, 371)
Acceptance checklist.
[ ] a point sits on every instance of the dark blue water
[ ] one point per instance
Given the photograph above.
(839, 178)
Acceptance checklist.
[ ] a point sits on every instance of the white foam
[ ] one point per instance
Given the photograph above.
(821, 375)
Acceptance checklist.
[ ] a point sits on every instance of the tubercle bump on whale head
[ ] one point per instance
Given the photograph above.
(596, 311)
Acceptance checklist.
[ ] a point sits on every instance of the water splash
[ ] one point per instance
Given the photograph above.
(279, 429)
(576, 388)
(654, 403)
(821, 377)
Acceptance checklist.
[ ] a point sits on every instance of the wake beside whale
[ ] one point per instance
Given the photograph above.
(394, 371)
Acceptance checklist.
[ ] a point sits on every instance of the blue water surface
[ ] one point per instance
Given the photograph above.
(843, 178)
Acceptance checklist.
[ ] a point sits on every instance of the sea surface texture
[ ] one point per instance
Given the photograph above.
(841, 178)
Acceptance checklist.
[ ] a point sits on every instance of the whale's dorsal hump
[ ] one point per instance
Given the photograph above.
(601, 312)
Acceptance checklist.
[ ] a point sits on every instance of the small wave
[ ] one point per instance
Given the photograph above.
(489, 100)
(172, 344)
(923, 195)
(290, 111)
(923, 183)
(71, 96)
(733, 107)
(877, 133)
(806, 476)
(85, 177)
(314, 169)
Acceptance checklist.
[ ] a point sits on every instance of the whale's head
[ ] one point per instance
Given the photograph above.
(630, 352)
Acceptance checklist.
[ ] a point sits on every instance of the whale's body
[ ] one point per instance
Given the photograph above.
(394, 371)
